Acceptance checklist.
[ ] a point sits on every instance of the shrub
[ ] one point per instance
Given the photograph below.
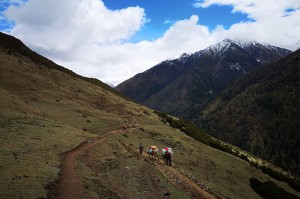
(270, 190)
(244, 157)
(196, 133)
(273, 173)
(294, 183)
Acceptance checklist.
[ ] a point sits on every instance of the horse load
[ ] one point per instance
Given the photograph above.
(153, 151)
(166, 153)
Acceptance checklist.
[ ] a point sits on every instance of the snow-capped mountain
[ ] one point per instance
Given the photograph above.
(265, 53)
(175, 86)
(218, 49)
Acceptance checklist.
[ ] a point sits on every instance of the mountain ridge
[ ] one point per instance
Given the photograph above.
(198, 76)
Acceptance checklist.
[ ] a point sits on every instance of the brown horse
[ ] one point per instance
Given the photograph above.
(153, 152)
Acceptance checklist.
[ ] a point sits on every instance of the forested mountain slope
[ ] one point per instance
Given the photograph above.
(260, 113)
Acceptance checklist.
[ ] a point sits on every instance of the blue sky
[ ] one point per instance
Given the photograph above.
(4, 24)
(113, 40)
(163, 13)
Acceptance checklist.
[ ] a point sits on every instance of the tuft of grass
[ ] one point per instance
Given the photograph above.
(125, 135)
(89, 121)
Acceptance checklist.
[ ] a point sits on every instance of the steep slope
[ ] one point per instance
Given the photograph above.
(15, 46)
(260, 113)
(178, 86)
(264, 53)
(51, 119)
(45, 111)
(153, 80)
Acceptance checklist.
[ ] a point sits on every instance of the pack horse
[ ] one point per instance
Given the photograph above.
(153, 152)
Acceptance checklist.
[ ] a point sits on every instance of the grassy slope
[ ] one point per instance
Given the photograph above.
(221, 173)
(43, 112)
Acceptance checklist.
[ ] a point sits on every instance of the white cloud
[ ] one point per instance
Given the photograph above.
(255, 9)
(120, 61)
(275, 21)
(93, 41)
(63, 25)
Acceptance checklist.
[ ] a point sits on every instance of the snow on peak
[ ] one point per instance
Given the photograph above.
(220, 47)
(182, 59)
(184, 56)
(244, 43)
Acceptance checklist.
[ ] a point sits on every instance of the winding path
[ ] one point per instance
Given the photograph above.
(69, 184)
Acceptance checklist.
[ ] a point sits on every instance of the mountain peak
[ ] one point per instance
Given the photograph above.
(227, 40)
(246, 43)
(219, 48)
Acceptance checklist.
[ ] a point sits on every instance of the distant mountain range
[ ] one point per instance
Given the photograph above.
(178, 86)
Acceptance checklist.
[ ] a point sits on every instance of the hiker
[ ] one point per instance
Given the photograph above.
(167, 155)
(141, 150)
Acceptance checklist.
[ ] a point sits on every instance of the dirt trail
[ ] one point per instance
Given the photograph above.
(183, 182)
(69, 184)
(179, 179)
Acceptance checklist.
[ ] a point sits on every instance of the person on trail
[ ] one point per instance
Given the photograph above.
(141, 150)
(168, 158)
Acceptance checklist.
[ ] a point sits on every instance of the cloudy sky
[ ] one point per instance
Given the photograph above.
(113, 40)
